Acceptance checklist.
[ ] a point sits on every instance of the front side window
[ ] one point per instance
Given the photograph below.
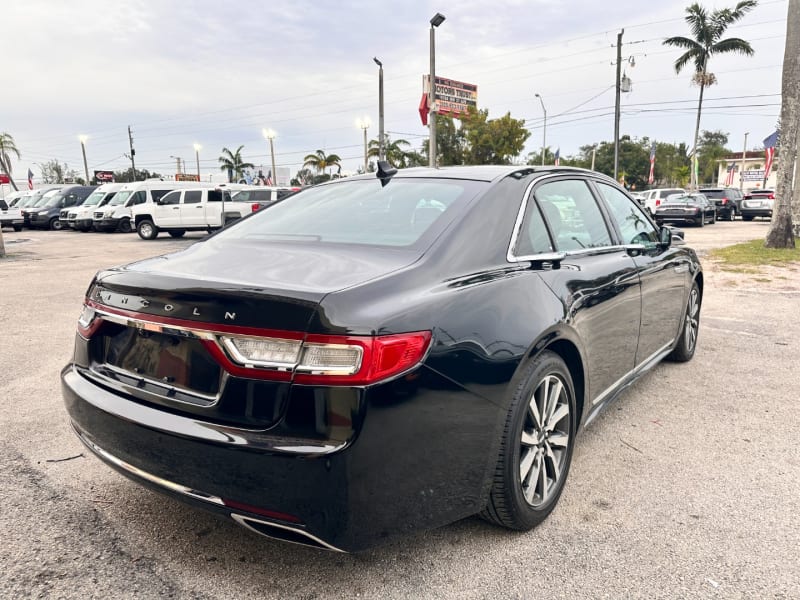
(171, 198)
(138, 198)
(156, 195)
(633, 225)
(572, 214)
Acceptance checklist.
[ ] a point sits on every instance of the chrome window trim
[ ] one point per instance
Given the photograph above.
(555, 255)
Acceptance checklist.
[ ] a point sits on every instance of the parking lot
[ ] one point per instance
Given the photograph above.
(688, 486)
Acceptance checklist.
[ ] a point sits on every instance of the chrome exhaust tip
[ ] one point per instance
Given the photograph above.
(283, 533)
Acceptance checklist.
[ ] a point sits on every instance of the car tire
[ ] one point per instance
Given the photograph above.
(701, 222)
(713, 218)
(55, 224)
(690, 328)
(536, 447)
(731, 215)
(125, 226)
(17, 227)
(147, 230)
(747, 218)
(177, 233)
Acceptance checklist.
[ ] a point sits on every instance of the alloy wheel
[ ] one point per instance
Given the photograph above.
(692, 319)
(545, 441)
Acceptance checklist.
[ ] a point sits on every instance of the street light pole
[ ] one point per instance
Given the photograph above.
(364, 124)
(544, 129)
(197, 148)
(436, 20)
(83, 139)
(270, 135)
(381, 148)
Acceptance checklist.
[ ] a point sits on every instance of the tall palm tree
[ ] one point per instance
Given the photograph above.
(7, 148)
(319, 161)
(394, 150)
(707, 30)
(233, 162)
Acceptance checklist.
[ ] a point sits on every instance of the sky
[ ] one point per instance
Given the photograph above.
(216, 74)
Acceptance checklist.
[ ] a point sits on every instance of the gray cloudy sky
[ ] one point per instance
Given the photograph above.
(216, 73)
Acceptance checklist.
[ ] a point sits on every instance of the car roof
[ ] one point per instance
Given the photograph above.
(481, 172)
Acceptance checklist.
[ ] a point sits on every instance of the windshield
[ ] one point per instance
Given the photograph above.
(360, 212)
(53, 200)
(45, 199)
(120, 198)
(94, 198)
(683, 199)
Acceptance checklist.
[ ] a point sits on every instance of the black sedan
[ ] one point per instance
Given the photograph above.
(695, 209)
(381, 355)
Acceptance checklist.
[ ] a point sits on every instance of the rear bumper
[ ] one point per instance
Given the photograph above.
(756, 212)
(418, 460)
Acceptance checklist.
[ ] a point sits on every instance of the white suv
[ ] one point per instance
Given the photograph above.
(654, 198)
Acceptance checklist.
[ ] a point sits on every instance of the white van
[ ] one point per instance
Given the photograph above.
(116, 215)
(82, 217)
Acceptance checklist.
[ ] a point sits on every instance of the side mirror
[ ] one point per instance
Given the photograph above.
(665, 237)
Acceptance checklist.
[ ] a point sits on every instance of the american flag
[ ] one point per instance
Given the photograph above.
(30, 179)
(269, 177)
(730, 171)
(769, 151)
(558, 156)
(650, 177)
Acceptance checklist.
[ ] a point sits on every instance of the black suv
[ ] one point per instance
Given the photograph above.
(727, 200)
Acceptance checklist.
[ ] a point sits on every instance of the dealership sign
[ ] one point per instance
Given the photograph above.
(186, 177)
(753, 175)
(104, 176)
(452, 98)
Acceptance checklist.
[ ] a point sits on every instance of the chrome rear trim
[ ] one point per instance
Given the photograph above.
(314, 541)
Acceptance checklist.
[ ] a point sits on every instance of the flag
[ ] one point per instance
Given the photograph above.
(729, 177)
(650, 178)
(558, 156)
(769, 151)
(30, 179)
(269, 177)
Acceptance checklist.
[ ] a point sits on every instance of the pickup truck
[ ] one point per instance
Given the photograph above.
(185, 210)
(10, 216)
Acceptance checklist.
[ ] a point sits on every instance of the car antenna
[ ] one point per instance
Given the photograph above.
(385, 172)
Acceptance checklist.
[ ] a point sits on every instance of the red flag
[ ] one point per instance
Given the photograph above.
(651, 178)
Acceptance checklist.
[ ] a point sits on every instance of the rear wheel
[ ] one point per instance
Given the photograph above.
(125, 226)
(176, 233)
(55, 224)
(701, 222)
(17, 227)
(146, 229)
(714, 218)
(731, 215)
(536, 448)
(687, 342)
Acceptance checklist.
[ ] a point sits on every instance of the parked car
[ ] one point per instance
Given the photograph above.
(10, 216)
(179, 211)
(264, 196)
(727, 201)
(35, 200)
(694, 209)
(653, 198)
(45, 215)
(378, 355)
(758, 203)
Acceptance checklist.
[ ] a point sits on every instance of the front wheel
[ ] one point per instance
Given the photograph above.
(125, 226)
(536, 447)
(17, 227)
(146, 230)
(56, 225)
(687, 342)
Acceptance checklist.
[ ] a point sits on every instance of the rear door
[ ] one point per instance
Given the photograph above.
(192, 210)
(598, 279)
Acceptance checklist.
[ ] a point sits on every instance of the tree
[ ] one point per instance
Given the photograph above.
(126, 175)
(7, 148)
(232, 162)
(708, 29)
(394, 151)
(320, 161)
(710, 148)
(787, 193)
(53, 171)
(492, 141)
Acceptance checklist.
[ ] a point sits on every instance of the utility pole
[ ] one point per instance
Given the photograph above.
(744, 157)
(381, 150)
(616, 105)
(133, 153)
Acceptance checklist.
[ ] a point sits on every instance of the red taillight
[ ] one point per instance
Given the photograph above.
(255, 206)
(272, 514)
(771, 196)
(724, 201)
(658, 202)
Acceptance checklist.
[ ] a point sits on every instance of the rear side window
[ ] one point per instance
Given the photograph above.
(192, 197)
(572, 214)
(533, 236)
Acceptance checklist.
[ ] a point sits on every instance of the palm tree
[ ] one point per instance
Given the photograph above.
(319, 161)
(233, 162)
(394, 151)
(708, 29)
(7, 148)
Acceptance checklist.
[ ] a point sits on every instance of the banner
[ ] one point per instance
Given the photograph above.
(186, 177)
(453, 98)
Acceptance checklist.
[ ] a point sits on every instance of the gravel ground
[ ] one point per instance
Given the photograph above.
(688, 486)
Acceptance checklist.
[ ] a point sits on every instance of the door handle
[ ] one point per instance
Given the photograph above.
(175, 207)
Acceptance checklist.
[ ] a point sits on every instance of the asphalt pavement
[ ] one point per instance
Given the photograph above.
(688, 486)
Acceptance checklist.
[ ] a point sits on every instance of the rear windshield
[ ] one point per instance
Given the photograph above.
(665, 193)
(360, 212)
(252, 196)
(714, 194)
